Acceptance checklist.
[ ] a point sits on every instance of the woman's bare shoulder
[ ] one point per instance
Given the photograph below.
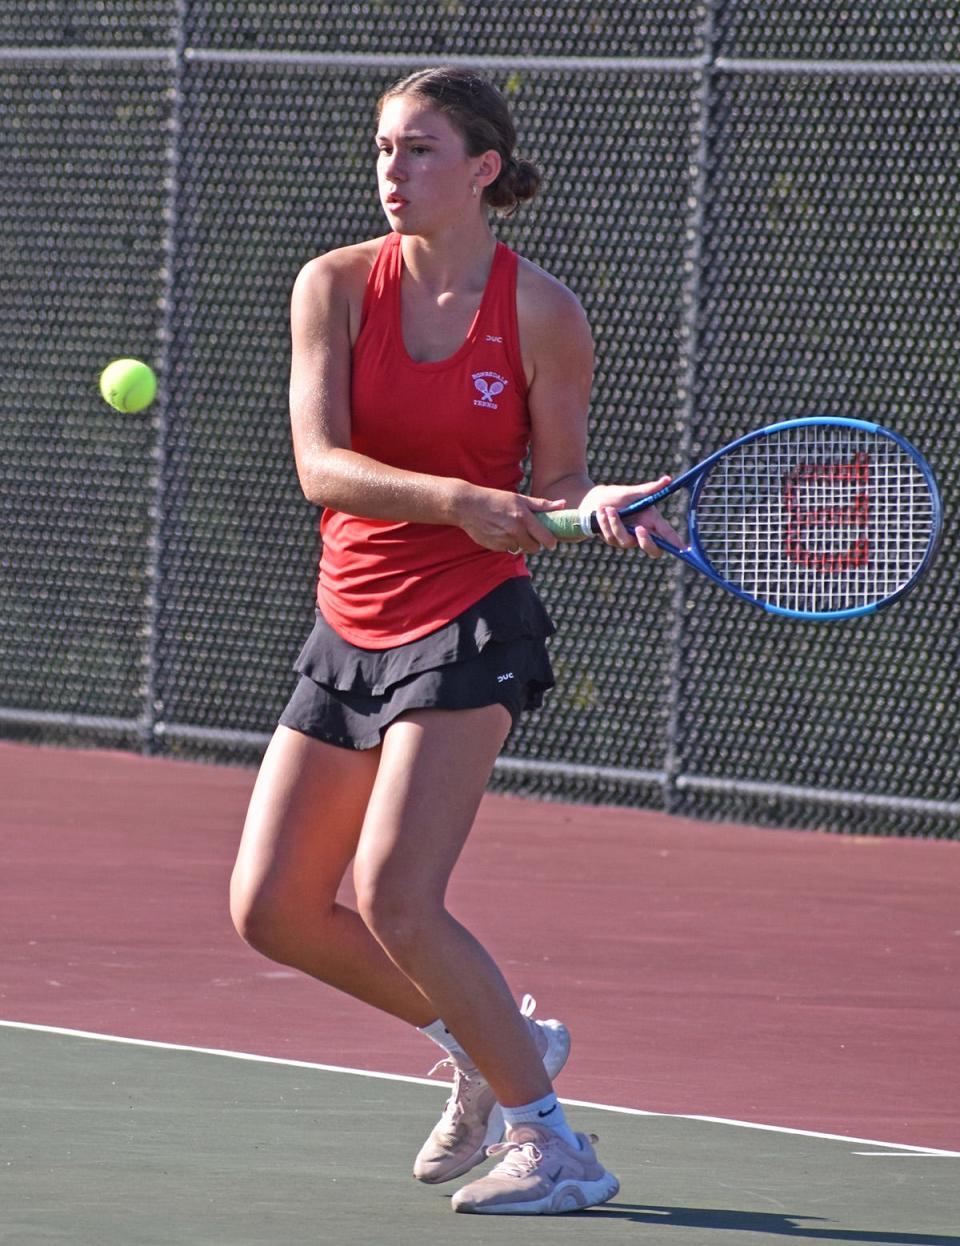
(341, 269)
(333, 284)
(546, 308)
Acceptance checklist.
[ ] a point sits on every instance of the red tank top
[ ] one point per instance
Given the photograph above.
(383, 583)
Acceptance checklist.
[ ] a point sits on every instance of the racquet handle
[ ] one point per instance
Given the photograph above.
(565, 525)
(570, 526)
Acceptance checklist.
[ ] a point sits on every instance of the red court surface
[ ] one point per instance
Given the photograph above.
(789, 978)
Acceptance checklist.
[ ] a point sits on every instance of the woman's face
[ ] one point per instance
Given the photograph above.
(424, 174)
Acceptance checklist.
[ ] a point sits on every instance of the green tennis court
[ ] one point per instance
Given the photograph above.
(108, 1141)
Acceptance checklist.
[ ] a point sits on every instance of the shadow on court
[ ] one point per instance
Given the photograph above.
(106, 1141)
(765, 1224)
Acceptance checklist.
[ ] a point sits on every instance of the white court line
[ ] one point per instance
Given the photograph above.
(910, 1154)
(905, 1149)
(217, 1051)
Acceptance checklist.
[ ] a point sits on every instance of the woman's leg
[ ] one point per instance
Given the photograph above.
(300, 834)
(433, 770)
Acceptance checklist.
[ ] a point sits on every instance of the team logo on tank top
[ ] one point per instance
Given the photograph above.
(488, 385)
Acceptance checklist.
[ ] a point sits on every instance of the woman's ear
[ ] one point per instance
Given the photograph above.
(487, 168)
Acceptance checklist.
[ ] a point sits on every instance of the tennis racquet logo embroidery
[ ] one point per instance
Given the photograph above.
(488, 385)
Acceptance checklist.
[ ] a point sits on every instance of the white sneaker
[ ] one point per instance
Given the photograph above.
(539, 1175)
(472, 1119)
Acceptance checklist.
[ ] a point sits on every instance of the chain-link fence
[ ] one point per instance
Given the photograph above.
(757, 205)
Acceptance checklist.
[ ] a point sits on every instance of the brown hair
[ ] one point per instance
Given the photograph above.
(479, 112)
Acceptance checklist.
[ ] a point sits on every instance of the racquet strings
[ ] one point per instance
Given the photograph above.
(816, 519)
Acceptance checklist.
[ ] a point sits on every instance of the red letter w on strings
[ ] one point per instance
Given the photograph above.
(825, 501)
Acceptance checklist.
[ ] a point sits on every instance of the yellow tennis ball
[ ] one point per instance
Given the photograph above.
(128, 384)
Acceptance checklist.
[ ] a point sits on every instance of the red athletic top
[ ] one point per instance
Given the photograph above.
(383, 583)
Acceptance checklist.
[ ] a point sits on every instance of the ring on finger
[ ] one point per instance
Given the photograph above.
(515, 550)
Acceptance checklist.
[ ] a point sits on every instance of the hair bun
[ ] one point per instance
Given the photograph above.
(519, 181)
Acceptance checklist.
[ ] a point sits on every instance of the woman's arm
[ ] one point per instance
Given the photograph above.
(558, 353)
(325, 306)
(558, 356)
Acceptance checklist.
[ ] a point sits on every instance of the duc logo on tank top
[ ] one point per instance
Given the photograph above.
(488, 385)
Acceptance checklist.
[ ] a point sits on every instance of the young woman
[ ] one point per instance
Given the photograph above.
(425, 363)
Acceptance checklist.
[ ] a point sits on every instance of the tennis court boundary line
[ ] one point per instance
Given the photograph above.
(906, 1148)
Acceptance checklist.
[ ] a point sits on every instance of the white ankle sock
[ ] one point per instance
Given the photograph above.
(438, 1033)
(547, 1114)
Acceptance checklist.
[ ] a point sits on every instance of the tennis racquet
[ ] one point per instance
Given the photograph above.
(819, 518)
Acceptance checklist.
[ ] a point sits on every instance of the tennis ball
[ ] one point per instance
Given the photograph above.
(128, 384)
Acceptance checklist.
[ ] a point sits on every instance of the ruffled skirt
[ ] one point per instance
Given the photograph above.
(493, 653)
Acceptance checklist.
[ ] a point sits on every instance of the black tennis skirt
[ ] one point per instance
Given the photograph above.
(494, 653)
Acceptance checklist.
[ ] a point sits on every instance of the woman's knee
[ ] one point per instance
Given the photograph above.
(399, 916)
(247, 912)
(261, 914)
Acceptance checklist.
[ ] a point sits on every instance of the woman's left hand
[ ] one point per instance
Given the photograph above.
(606, 500)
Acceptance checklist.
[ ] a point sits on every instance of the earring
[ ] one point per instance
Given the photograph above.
(474, 189)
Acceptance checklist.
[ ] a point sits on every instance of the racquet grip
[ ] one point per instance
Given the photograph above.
(565, 525)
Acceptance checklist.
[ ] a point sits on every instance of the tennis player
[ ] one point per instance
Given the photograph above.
(425, 364)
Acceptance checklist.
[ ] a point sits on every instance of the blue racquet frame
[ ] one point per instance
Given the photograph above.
(570, 525)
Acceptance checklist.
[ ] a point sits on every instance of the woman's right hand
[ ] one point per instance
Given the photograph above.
(506, 522)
